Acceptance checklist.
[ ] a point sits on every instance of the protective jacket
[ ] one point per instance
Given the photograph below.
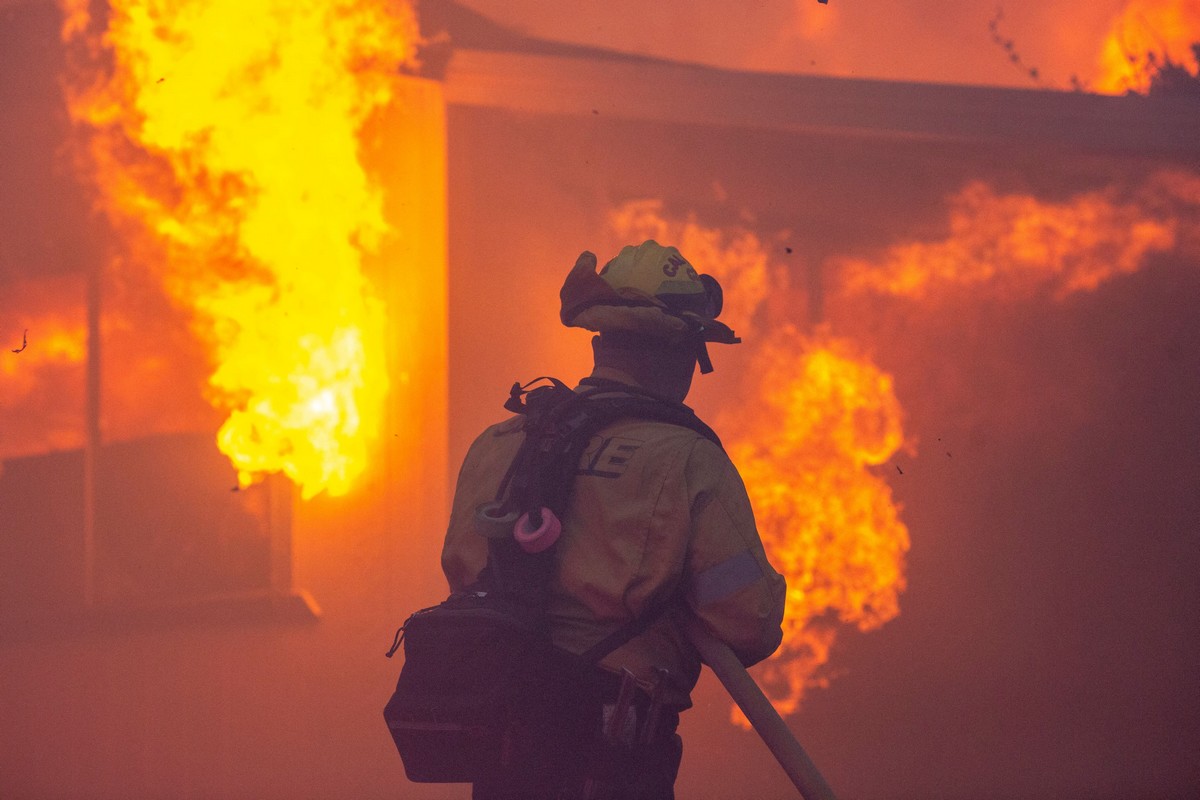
(656, 509)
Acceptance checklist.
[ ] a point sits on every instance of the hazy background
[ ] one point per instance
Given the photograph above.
(941, 41)
(1048, 643)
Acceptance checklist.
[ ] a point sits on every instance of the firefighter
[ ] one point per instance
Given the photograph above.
(656, 511)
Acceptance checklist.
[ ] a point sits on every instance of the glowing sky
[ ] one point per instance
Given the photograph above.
(939, 41)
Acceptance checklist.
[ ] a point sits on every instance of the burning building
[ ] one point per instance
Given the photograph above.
(966, 407)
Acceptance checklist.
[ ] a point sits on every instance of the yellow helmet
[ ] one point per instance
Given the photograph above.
(649, 291)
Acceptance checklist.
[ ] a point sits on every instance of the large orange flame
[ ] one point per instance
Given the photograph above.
(224, 143)
(828, 415)
(1010, 246)
(1146, 33)
(822, 416)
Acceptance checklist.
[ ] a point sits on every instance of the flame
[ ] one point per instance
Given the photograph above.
(830, 526)
(1010, 246)
(1147, 33)
(822, 416)
(224, 144)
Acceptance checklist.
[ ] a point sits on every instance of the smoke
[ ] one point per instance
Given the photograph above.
(941, 41)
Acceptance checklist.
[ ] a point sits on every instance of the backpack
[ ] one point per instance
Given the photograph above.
(480, 671)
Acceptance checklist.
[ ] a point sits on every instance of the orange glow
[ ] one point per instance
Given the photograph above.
(225, 147)
(58, 342)
(1009, 246)
(829, 524)
(1164, 28)
(150, 373)
(41, 398)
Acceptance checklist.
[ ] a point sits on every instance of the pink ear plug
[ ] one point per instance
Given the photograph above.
(535, 541)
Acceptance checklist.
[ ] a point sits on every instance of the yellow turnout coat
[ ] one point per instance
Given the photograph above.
(655, 507)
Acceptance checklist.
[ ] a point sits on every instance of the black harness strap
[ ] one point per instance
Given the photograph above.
(635, 627)
(559, 424)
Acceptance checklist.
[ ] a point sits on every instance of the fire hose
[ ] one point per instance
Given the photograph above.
(758, 709)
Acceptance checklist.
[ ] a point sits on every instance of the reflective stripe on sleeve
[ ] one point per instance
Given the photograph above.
(720, 581)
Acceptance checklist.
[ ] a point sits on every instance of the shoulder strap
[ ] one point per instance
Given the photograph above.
(634, 402)
(559, 424)
(629, 630)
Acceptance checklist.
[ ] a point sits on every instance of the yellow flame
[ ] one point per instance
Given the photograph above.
(225, 146)
(1013, 245)
(829, 524)
(1164, 28)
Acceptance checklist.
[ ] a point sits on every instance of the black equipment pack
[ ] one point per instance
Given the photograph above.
(479, 668)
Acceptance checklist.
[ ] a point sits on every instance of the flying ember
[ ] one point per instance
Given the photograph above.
(223, 141)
